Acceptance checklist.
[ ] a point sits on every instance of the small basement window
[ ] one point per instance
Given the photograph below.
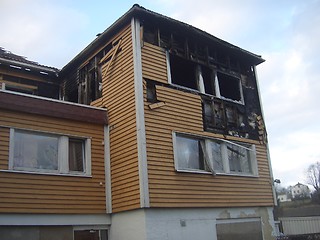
(32, 151)
(228, 87)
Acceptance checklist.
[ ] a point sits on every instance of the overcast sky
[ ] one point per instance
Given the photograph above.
(285, 32)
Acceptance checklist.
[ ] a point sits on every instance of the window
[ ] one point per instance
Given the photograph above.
(192, 75)
(183, 72)
(190, 154)
(228, 87)
(239, 229)
(199, 154)
(48, 153)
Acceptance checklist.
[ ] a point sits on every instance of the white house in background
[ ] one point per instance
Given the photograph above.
(300, 190)
(283, 197)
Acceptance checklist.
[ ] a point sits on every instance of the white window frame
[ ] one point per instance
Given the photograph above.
(217, 88)
(63, 154)
(224, 155)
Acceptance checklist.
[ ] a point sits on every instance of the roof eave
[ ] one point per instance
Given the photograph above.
(138, 11)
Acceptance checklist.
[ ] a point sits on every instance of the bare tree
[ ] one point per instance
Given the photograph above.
(313, 175)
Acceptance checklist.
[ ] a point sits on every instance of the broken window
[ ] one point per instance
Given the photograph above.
(27, 86)
(207, 76)
(201, 154)
(183, 72)
(229, 87)
(214, 117)
(90, 81)
(151, 91)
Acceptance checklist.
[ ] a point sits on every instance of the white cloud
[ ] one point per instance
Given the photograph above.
(40, 30)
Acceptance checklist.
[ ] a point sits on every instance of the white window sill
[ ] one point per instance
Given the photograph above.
(49, 173)
(217, 173)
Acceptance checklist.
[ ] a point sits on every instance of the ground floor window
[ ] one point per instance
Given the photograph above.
(35, 151)
(239, 229)
(203, 154)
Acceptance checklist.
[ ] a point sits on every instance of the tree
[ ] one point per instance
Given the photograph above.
(313, 175)
(313, 178)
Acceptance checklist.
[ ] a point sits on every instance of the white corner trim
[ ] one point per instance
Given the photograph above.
(141, 132)
(107, 170)
(267, 143)
(168, 67)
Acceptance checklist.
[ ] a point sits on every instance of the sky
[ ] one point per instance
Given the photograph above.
(286, 33)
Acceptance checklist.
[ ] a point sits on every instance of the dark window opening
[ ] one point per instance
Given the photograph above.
(229, 87)
(214, 117)
(151, 92)
(90, 81)
(150, 34)
(27, 86)
(183, 72)
(206, 74)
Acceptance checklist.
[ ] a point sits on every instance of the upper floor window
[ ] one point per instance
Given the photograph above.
(200, 154)
(192, 75)
(33, 151)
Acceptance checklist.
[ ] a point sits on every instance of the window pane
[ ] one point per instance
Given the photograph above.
(35, 151)
(239, 159)
(189, 153)
(76, 155)
(216, 156)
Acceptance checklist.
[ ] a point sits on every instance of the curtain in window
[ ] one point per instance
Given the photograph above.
(76, 155)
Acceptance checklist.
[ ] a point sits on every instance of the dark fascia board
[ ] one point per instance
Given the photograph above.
(52, 108)
(142, 13)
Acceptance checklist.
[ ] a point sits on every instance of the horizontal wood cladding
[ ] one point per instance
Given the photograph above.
(119, 98)
(46, 193)
(182, 112)
(154, 65)
(51, 108)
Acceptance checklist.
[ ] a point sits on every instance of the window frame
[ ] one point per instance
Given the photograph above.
(63, 154)
(208, 161)
(231, 222)
(200, 83)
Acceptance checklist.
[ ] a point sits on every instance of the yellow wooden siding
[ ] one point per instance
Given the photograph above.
(182, 112)
(119, 98)
(42, 193)
(154, 65)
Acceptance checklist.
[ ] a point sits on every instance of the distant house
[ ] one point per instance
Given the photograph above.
(283, 197)
(154, 131)
(300, 191)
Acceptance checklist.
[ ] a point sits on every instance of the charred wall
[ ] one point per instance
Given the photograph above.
(223, 77)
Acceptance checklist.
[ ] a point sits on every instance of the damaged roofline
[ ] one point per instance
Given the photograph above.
(30, 66)
(139, 11)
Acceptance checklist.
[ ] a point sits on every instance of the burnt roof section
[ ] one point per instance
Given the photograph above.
(9, 58)
(148, 15)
